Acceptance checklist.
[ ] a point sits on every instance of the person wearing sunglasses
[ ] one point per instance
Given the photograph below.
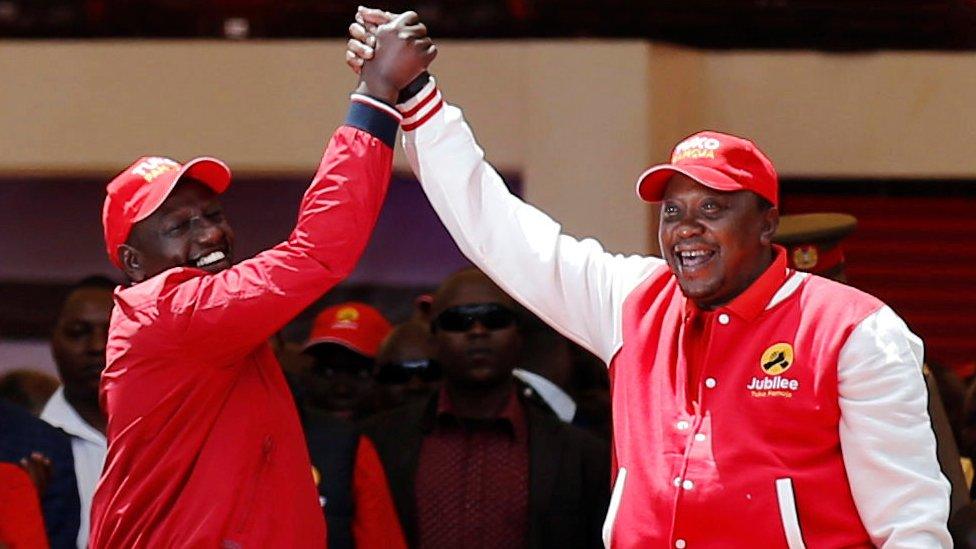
(405, 367)
(478, 464)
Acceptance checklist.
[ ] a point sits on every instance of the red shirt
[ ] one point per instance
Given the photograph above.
(472, 484)
(205, 446)
(21, 522)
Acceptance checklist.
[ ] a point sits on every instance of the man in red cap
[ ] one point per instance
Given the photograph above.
(753, 405)
(205, 446)
(343, 344)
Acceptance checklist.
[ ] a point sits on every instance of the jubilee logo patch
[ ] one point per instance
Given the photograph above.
(777, 359)
(774, 362)
(346, 318)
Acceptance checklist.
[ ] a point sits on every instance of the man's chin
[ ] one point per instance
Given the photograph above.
(699, 291)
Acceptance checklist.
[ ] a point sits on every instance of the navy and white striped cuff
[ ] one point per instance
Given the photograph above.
(421, 107)
(375, 117)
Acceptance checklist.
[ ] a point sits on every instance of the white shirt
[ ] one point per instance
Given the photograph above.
(88, 446)
(562, 404)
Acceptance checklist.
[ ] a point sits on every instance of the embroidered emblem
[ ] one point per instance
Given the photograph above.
(805, 257)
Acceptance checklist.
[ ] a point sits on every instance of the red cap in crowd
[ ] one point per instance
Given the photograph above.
(717, 160)
(137, 192)
(353, 325)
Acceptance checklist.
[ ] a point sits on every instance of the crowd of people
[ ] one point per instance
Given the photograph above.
(364, 390)
(753, 404)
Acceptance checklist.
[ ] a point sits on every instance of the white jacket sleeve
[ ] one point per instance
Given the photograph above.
(573, 285)
(886, 436)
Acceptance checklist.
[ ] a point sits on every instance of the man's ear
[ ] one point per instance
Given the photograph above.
(131, 261)
(770, 222)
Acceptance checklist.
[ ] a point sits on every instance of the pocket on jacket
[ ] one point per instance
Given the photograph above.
(788, 513)
(615, 497)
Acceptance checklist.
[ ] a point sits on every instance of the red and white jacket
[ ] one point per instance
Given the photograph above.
(811, 428)
(205, 448)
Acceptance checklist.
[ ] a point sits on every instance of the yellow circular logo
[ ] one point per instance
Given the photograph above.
(777, 359)
(805, 257)
(347, 314)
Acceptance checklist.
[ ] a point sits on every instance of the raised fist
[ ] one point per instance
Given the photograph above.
(398, 49)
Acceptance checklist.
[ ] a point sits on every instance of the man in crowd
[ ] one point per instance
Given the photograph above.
(343, 344)
(352, 486)
(45, 454)
(78, 347)
(476, 465)
(753, 405)
(205, 445)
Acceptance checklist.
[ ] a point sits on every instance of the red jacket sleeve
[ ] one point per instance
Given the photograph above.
(222, 317)
(375, 523)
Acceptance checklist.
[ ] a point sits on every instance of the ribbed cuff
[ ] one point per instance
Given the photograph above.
(421, 107)
(375, 117)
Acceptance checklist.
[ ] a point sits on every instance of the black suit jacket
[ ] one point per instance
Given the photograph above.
(569, 473)
(21, 434)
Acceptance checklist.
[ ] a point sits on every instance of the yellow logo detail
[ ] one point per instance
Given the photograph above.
(347, 314)
(805, 257)
(777, 359)
(316, 476)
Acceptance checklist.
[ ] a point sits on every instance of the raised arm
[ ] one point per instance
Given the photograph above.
(573, 285)
(226, 314)
(887, 438)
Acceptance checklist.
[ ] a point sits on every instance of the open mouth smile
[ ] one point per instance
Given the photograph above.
(692, 258)
(209, 259)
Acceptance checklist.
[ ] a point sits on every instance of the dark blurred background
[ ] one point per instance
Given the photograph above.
(837, 25)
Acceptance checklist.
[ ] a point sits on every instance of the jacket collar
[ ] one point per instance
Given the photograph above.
(753, 301)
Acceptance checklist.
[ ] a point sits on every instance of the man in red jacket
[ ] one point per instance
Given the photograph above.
(753, 405)
(205, 445)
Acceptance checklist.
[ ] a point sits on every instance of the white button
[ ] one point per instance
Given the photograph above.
(682, 425)
(700, 437)
(723, 318)
(687, 485)
(677, 481)
(680, 544)
(710, 383)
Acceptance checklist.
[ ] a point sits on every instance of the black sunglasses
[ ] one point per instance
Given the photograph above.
(462, 318)
(395, 373)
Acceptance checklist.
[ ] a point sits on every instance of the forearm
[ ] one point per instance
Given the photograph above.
(254, 298)
(573, 285)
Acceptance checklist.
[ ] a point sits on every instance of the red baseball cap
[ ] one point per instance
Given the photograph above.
(717, 160)
(353, 325)
(140, 189)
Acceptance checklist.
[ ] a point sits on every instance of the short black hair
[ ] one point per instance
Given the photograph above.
(94, 282)
(763, 203)
(100, 282)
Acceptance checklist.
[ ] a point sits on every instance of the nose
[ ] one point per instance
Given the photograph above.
(97, 342)
(209, 232)
(414, 383)
(477, 329)
(689, 227)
